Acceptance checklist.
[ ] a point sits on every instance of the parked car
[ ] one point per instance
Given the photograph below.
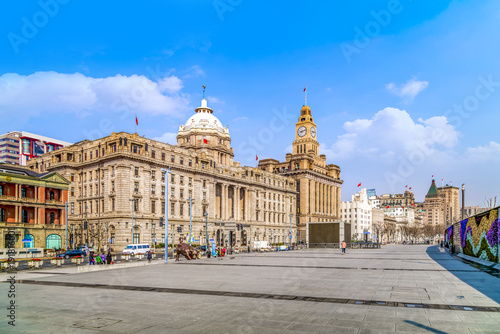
(71, 253)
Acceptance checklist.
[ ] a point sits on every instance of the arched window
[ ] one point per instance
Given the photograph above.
(29, 241)
(52, 217)
(53, 241)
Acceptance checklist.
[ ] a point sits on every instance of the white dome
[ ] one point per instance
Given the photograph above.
(203, 119)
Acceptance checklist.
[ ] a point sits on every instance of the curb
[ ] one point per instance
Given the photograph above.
(88, 268)
(480, 261)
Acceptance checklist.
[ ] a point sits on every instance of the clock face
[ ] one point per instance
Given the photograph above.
(302, 131)
(313, 132)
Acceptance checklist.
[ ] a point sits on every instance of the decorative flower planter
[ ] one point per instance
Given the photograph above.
(140, 256)
(57, 261)
(35, 263)
(126, 257)
(6, 265)
(77, 260)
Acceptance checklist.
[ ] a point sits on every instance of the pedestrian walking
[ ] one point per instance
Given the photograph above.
(248, 248)
(91, 259)
(109, 257)
(150, 256)
(343, 245)
(103, 258)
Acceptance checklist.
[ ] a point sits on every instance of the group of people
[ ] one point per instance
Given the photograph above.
(100, 259)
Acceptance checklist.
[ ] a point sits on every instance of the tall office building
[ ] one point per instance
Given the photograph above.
(17, 147)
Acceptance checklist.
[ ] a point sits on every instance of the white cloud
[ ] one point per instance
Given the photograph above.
(482, 154)
(168, 137)
(215, 100)
(58, 92)
(408, 90)
(391, 132)
(194, 72)
(243, 118)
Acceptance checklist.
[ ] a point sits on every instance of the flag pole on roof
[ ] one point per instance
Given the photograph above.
(203, 91)
(305, 95)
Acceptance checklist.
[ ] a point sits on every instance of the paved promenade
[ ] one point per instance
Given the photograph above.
(404, 289)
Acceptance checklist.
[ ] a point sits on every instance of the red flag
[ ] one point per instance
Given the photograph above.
(403, 207)
(305, 89)
(432, 175)
(136, 121)
(387, 207)
(205, 141)
(411, 204)
(406, 186)
(359, 185)
(410, 188)
(256, 157)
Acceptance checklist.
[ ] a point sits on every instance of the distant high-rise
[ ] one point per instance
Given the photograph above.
(442, 205)
(17, 147)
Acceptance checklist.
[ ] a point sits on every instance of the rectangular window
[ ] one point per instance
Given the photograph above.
(190, 194)
(72, 191)
(172, 192)
(112, 186)
(163, 190)
(163, 156)
(153, 154)
(181, 180)
(72, 208)
(181, 210)
(190, 181)
(112, 204)
(153, 189)
(205, 198)
(181, 194)
(136, 205)
(181, 161)
(153, 174)
(172, 158)
(172, 209)
(136, 187)
(112, 238)
(162, 208)
(136, 171)
(72, 177)
(204, 183)
(163, 176)
(172, 178)
(153, 207)
(190, 163)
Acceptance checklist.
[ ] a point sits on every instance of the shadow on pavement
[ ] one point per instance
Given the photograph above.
(427, 328)
(481, 281)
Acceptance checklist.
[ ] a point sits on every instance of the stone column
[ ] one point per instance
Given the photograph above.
(236, 200)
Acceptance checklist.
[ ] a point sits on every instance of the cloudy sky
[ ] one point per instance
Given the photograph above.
(400, 90)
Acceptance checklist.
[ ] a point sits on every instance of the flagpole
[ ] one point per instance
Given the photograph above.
(305, 98)
(135, 127)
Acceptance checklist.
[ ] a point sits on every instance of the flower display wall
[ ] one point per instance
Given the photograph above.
(479, 235)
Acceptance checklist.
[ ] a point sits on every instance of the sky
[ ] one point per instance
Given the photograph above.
(401, 91)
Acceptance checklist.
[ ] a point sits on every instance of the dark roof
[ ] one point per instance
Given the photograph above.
(432, 190)
(6, 168)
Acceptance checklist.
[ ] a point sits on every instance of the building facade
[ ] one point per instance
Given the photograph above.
(442, 205)
(118, 188)
(358, 212)
(32, 206)
(317, 182)
(17, 147)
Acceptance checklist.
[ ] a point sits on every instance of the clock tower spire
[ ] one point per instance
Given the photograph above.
(305, 134)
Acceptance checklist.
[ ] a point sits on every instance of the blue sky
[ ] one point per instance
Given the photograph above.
(400, 90)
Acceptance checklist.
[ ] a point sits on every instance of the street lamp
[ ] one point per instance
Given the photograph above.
(291, 215)
(66, 218)
(133, 208)
(206, 231)
(190, 220)
(169, 171)
(463, 200)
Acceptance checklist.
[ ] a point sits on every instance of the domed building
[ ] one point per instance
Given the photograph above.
(118, 190)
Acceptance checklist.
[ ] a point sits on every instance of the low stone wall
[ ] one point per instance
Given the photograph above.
(22, 253)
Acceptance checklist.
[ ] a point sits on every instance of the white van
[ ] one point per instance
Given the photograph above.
(134, 249)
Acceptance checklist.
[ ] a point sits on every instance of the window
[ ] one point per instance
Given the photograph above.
(136, 205)
(181, 195)
(136, 187)
(153, 154)
(23, 192)
(190, 194)
(190, 181)
(162, 208)
(172, 158)
(112, 238)
(153, 206)
(172, 178)
(52, 217)
(181, 161)
(204, 183)
(136, 171)
(135, 149)
(181, 209)
(205, 198)
(181, 180)
(72, 177)
(153, 189)
(190, 162)
(163, 156)
(72, 208)
(112, 186)
(1, 190)
(153, 174)
(72, 191)
(112, 204)
(172, 192)
(172, 209)
(163, 176)
(163, 190)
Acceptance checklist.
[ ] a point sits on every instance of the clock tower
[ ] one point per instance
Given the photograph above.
(305, 134)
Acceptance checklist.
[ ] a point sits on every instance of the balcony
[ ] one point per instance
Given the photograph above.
(53, 202)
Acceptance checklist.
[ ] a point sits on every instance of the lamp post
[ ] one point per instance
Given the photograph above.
(133, 207)
(291, 216)
(66, 218)
(463, 200)
(206, 231)
(169, 171)
(190, 220)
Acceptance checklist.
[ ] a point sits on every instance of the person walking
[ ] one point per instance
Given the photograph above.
(103, 258)
(108, 257)
(343, 245)
(248, 248)
(91, 259)
(150, 256)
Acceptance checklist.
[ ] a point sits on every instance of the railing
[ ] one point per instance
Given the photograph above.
(353, 245)
(19, 199)
(53, 202)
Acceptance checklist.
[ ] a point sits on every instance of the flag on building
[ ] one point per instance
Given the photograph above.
(387, 207)
(256, 157)
(359, 184)
(205, 141)
(136, 121)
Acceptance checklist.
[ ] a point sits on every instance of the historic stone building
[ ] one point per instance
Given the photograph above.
(318, 184)
(118, 187)
(442, 205)
(32, 207)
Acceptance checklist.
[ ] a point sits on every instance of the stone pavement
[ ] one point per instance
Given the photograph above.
(404, 289)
